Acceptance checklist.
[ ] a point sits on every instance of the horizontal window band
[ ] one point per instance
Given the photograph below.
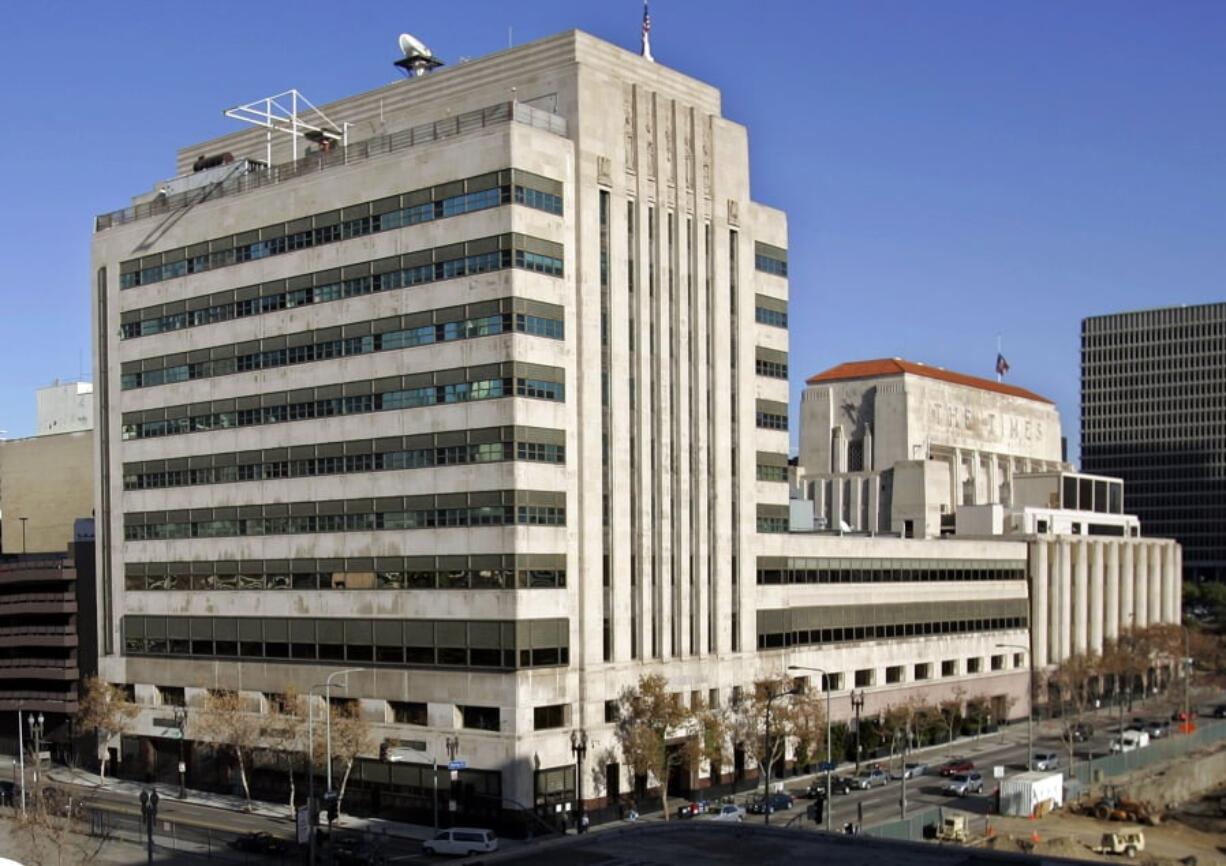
(350, 340)
(427, 450)
(484, 255)
(372, 217)
(386, 642)
(415, 390)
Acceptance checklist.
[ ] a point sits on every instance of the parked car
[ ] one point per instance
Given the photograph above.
(461, 841)
(260, 842)
(1045, 761)
(957, 765)
(1157, 728)
(1219, 712)
(693, 808)
(963, 784)
(912, 769)
(729, 812)
(777, 802)
(871, 779)
(1081, 732)
(842, 785)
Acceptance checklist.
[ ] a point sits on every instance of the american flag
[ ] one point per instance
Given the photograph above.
(646, 32)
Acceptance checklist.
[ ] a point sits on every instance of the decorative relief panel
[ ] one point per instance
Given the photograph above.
(706, 158)
(734, 212)
(604, 170)
(650, 134)
(687, 147)
(628, 129)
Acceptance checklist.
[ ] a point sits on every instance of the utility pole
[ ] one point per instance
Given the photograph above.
(578, 746)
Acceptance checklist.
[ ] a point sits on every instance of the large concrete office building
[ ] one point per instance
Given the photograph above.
(489, 401)
(1153, 412)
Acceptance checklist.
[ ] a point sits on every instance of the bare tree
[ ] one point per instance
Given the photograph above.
(749, 720)
(1072, 678)
(105, 710)
(649, 715)
(285, 732)
(49, 831)
(223, 721)
(352, 736)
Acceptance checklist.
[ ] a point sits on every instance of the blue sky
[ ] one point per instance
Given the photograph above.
(951, 170)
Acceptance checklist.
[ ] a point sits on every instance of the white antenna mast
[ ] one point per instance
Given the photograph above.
(280, 113)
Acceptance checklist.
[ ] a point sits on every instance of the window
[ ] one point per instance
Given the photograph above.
(772, 473)
(974, 665)
(949, 668)
(409, 713)
(894, 674)
(481, 718)
(774, 318)
(865, 677)
(922, 671)
(998, 663)
(612, 711)
(1018, 659)
(173, 696)
(713, 698)
(552, 716)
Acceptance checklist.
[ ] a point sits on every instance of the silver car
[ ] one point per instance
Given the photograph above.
(1046, 761)
(963, 784)
(729, 812)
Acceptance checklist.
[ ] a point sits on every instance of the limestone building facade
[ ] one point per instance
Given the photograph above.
(489, 402)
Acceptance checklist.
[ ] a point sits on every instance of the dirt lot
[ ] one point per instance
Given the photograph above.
(1189, 791)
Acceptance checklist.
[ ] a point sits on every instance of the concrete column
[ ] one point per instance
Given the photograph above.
(1066, 599)
(1178, 583)
(1054, 598)
(1038, 602)
(1140, 596)
(956, 479)
(1171, 580)
(1081, 580)
(1096, 597)
(1127, 621)
(1112, 630)
(993, 479)
(1155, 583)
(976, 477)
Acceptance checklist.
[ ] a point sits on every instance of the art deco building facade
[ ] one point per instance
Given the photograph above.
(490, 402)
(1153, 412)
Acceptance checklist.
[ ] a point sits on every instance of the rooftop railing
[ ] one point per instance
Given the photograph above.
(320, 160)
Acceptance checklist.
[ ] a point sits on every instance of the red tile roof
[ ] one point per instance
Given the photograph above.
(897, 366)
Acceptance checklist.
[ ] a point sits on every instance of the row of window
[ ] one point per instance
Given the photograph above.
(320, 235)
(849, 634)
(462, 578)
(772, 524)
(770, 264)
(340, 347)
(772, 473)
(773, 369)
(430, 395)
(411, 643)
(774, 318)
(771, 421)
(371, 521)
(424, 266)
(348, 464)
(854, 573)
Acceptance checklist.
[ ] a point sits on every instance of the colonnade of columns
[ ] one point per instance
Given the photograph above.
(1084, 591)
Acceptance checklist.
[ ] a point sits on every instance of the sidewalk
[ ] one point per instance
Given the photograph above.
(231, 803)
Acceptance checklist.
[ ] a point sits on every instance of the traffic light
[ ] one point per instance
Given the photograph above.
(332, 806)
(819, 809)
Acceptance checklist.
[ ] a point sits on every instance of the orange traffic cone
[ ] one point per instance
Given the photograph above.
(1034, 837)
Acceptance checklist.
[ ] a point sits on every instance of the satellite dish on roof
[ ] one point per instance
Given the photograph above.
(417, 59)
(410, 45)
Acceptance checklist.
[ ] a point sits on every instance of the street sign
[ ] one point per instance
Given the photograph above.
(457, 765)
(304, 824)
(824, 766)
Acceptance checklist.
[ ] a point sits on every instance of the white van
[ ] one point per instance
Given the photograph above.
(1130, 741)
(461, 840)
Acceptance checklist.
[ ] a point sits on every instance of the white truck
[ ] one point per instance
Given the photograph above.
(1130, 741)
(1021, 795)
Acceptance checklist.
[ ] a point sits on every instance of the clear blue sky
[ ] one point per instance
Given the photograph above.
(951, 170)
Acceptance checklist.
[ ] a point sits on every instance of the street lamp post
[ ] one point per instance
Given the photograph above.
(1029, 701)
(770, 699)
(578, 746)
(23, 533)
(37, 726)
(181, 723)
(829, 804)
(857, 704)
(328, 714)
(149, 812)
(21, 759)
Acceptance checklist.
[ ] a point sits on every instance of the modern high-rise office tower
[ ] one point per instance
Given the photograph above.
(481, 388)
(1153, 412)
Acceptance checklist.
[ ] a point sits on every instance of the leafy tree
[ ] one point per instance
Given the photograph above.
(1073, 678)
(222, 721)
(649, 716)
(950, 710)
(352, 736)
(105, 710)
